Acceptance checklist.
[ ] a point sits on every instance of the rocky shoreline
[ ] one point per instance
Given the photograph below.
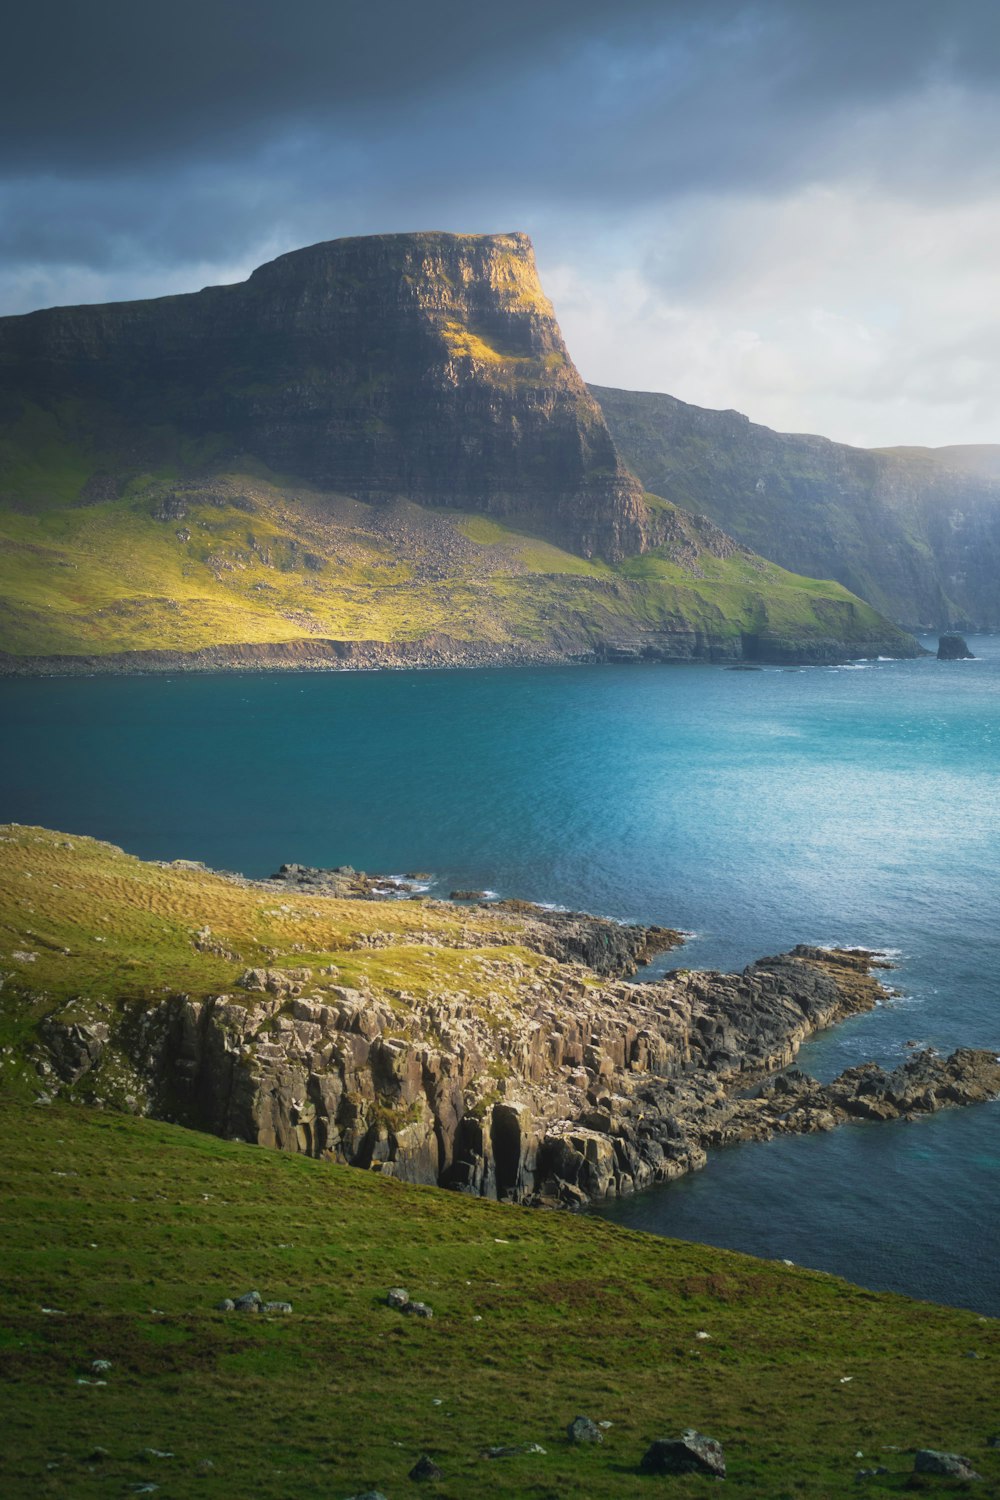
(584, 1086)
(315, 654)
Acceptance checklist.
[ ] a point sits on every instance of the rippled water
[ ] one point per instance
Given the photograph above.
(852, 805)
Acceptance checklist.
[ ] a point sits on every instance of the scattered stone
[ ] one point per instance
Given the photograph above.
(277, 1307)
(100, 1366)
(954, 1465)
(97, 1455)
(151, 1453)
(418, 1310)
(583, 1430)
(249, 1302)
(204, 1467)
(226, 1305)
(691, 1453)
(468, 896)
(953, 647)
(864, 1474)
(512, 1451)
(397, 1296)
(605, 1425)
(368, 1495)
(994, 1441)
(425, 1468)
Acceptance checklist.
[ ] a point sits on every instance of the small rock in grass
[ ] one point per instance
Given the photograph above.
(249, 1302)
(583, 1430)
(691, 1453)
(994, 1441)
(425, 1468)
(226, 1305)
(954, 1465)
(277, 1307)
(864, 1474)
(418, 1310)
(97, 1455)
(100, 1366)
(368, 1495)
(397, 1296)
(512, 1451)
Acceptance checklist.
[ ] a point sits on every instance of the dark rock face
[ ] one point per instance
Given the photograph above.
(691, 1453)
(953, 647)
(424, 365)
(915, 532)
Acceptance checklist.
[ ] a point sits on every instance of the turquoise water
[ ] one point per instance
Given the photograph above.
(850, 805)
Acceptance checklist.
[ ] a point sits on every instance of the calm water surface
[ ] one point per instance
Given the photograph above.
(855, 805)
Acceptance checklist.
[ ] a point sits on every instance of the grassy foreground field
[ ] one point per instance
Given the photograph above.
(120, 1234)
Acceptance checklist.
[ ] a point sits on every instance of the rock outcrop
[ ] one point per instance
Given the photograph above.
(584, 1087)
(953, 647)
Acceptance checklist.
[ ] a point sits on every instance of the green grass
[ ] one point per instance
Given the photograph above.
(132, 1230)
(257, 559)
(111, 933)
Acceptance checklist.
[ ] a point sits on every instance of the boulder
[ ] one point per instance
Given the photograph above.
(249, 1302)
(425, 1469)
(583, 1430)
(397, 1296)
(954, 1465)
(691, 1453)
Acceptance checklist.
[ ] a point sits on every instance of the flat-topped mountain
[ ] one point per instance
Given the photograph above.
(374, 451)
(424, 365)
(915, 531)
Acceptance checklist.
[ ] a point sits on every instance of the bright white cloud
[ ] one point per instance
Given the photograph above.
(840, 310)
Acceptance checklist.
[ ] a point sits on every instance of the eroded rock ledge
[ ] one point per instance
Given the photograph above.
(564, 1084)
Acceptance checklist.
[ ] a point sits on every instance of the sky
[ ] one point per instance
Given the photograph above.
(789, 207)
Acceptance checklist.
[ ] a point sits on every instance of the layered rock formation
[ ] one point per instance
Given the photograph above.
(586, 1088)
(361, 456)
(424, 365)
(915, 531)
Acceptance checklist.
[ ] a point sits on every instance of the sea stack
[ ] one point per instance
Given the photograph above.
(953, 647)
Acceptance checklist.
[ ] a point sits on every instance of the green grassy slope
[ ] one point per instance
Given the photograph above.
(88, 932)
(240, 558)
(119, 1236)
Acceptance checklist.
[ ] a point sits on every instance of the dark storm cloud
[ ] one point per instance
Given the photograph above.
(101, 85)
(208, 133)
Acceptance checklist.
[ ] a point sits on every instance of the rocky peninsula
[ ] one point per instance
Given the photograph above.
(500, 1049)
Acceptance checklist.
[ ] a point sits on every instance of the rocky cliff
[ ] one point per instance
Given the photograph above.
(915, 531)
(423, 365)
(496, 1049)
(373, 451)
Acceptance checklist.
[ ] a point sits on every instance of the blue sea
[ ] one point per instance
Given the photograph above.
(853, 805)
